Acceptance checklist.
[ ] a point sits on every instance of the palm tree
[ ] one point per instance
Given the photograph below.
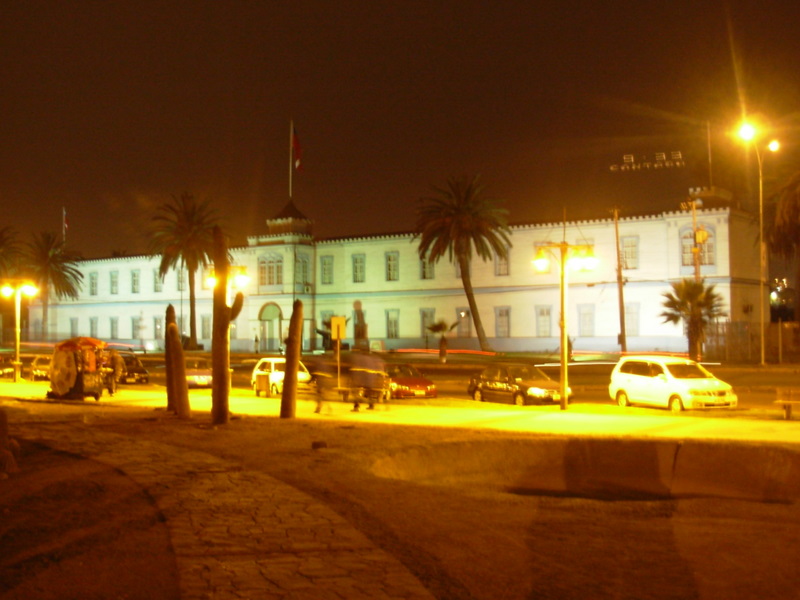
(183, 236)
(456, 222)
(48, 263)
(696, 304)
(9, 251)
(784, 235)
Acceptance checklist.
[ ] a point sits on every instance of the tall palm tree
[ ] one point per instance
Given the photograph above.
(183, 236)
(696, 304)
(784, 233)
(458, 221)
(10, 251)
(53, 269)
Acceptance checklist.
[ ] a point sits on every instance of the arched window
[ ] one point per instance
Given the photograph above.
(705, 245)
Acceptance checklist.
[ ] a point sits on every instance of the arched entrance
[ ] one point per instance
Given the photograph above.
(270, 328)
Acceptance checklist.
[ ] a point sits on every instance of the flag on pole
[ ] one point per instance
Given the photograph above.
(296, 150)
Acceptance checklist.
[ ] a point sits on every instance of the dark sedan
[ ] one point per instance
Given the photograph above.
(405, 381)
(518, 384)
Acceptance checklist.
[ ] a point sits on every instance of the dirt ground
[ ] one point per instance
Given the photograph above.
(73, 529)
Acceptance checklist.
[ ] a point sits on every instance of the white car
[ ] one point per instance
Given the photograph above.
(268, 374)
(669, 382)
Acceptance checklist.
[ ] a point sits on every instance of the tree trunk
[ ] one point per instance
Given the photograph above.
(192, 312)
(293, 342)
(466, 280)
(177, 387)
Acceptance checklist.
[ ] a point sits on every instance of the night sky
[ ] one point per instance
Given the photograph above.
(110, 108)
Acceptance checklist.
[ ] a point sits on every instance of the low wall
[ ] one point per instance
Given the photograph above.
(595, 467)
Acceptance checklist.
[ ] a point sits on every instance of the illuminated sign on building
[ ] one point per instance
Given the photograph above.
(659, 160)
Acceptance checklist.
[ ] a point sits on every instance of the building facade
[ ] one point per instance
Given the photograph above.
(389, 295)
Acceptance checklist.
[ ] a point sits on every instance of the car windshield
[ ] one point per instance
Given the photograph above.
(403, 371)
(688, 371)
(522, 372)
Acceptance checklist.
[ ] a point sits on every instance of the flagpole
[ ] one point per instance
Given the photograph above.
(291, 150)
(64, 225)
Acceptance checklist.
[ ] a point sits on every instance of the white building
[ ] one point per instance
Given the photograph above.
(124, 299)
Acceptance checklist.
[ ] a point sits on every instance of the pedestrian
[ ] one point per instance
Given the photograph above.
(369, 378)
(324, 373)
(115, 370)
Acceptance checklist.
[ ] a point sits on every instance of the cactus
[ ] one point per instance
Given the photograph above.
(289, 396)
(220, 337)
(177, 388)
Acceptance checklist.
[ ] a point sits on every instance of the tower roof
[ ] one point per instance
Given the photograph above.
(290, 211)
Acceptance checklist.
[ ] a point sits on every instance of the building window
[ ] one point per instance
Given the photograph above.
(158, 283)
(114, 328)
(93, 283)
(270, 270)
(632, 319)
(501, 264)
(135, 280)
(502, 319)
(114, 282)
(426, 319)
(181, 279)
(93, 327)
(205, 327)
(543, 321)
(393, 323)
(158, 328)
(392, 266)
(705, 246)
(326, 269)
(458, 268)
(629, 251)
(464, 320)
(586, 320)
(73, 326)
(426, 269)
(359, 268)
(302, 272)
(136, 327)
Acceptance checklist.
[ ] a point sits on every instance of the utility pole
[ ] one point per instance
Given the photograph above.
(623, 341)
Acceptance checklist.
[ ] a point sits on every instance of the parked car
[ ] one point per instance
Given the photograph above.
(39, 368)
(515, 383)
(405, 381)
(198, 371)
(267, 375)
(135, 371)
(669, 382)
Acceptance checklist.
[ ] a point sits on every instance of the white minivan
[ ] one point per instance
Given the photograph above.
(669, 382)
(268, 373)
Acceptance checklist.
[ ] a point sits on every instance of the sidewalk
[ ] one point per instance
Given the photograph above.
(238, 533)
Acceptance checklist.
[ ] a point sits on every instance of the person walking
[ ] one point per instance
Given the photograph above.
(115, 371)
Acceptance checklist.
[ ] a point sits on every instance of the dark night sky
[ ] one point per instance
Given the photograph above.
(109, 108)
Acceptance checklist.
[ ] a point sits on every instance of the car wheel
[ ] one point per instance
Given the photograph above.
(519, 399)
(477, 395)
(675, 404)
(255, 390)
(622, 399)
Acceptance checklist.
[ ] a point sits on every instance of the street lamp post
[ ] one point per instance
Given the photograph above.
(581, 256)
(17, 288)
(748, 133)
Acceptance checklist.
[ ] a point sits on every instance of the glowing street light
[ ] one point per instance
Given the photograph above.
(749, 133)
(17, 288)
(581, 258)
